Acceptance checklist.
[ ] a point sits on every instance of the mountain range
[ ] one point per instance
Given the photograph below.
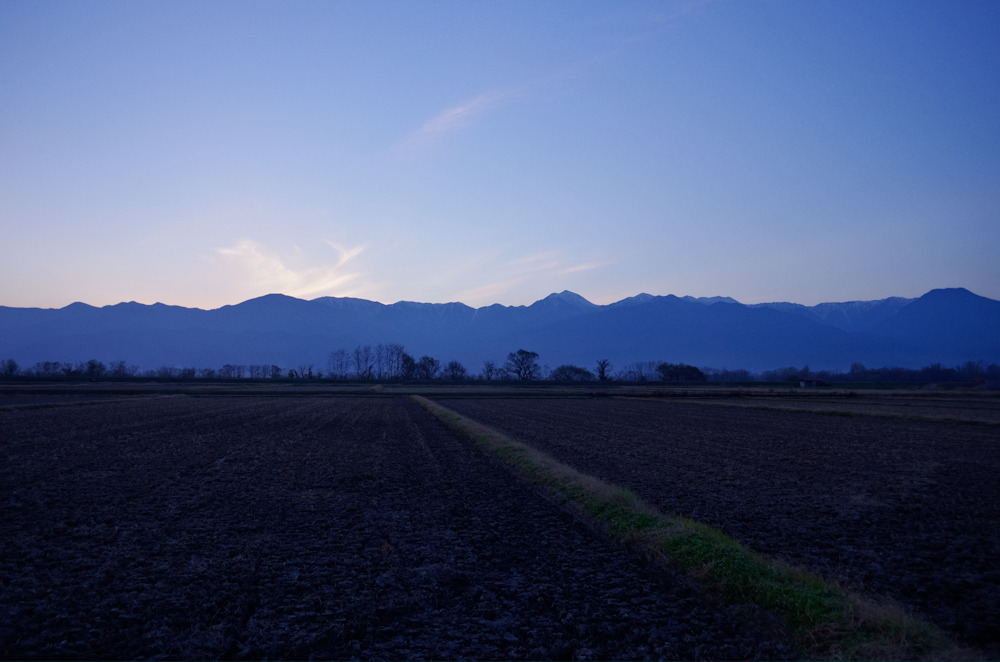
(947, 326)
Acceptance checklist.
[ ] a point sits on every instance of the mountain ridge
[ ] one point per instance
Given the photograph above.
(948, 326)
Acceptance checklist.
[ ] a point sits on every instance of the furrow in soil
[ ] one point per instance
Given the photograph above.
(337, 528)
(907, 510)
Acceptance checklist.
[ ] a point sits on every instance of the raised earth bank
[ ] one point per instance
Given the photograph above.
(893, 507)
(339, 528)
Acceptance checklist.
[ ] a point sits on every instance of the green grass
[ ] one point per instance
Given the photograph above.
(825, 620)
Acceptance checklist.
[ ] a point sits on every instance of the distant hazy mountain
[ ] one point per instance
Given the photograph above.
(861, 316)
(947, 326)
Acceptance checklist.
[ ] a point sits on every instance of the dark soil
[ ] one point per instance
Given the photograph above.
(893, 507)
(983, 407)
(251, 528)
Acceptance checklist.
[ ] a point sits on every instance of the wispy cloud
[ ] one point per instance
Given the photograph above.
(650, 23)
(345, 254)
(452, 118)
(535, 269)
(268, 272)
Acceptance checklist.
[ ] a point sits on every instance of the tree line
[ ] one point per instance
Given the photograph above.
(391, 362)
(972, 372)
(381, 362)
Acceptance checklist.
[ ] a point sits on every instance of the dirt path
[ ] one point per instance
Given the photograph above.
(310, 528)
(898, 508)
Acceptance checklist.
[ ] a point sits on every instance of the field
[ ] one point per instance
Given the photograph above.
(896, 507)
(298, 527)
(352, 525)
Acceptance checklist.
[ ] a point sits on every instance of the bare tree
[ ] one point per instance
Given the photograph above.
(427, 367)
(120, 370)
(395, 360)
(571, 373)
(489, 371)
(408, 367)
(604, 370)
(523, 365)
(640, 371)
(47, 369)
(679, 372)
(363, 361)
(94, 369)
(8, 368)
(454, 370)
(338, 364)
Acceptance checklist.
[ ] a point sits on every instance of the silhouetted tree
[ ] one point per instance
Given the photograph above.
(604, 370)
(8, 368)
(571, 373)
(380, 359)
(94, 369)
(47, 369)
(407, 367)
(122, 370)
(363, 361)
(680, 372)
(489, 371)
(972, 369)
(337, 364)
(522, 365)
(454, 370)
(427, 367)
(789, 374)
(726, 375)
(640, 371)
(394, 360)
(232, 371)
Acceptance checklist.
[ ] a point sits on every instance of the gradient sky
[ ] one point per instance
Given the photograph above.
(204, 153)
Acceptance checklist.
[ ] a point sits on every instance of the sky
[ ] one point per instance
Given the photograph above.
(205, 153)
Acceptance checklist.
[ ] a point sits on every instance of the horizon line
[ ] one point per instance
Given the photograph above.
(446, 303)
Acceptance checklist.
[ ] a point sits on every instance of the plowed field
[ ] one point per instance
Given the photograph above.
(893, 507)
(253, 527)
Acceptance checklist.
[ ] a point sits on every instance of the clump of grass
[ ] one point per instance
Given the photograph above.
(825, 620)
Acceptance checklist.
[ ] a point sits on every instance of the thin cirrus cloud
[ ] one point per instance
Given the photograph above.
(267, 272)
(453, 118)
(524, 271)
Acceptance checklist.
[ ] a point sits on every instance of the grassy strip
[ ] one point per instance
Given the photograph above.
(826, 621)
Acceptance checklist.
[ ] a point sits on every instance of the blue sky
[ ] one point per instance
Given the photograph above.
(204, 153)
